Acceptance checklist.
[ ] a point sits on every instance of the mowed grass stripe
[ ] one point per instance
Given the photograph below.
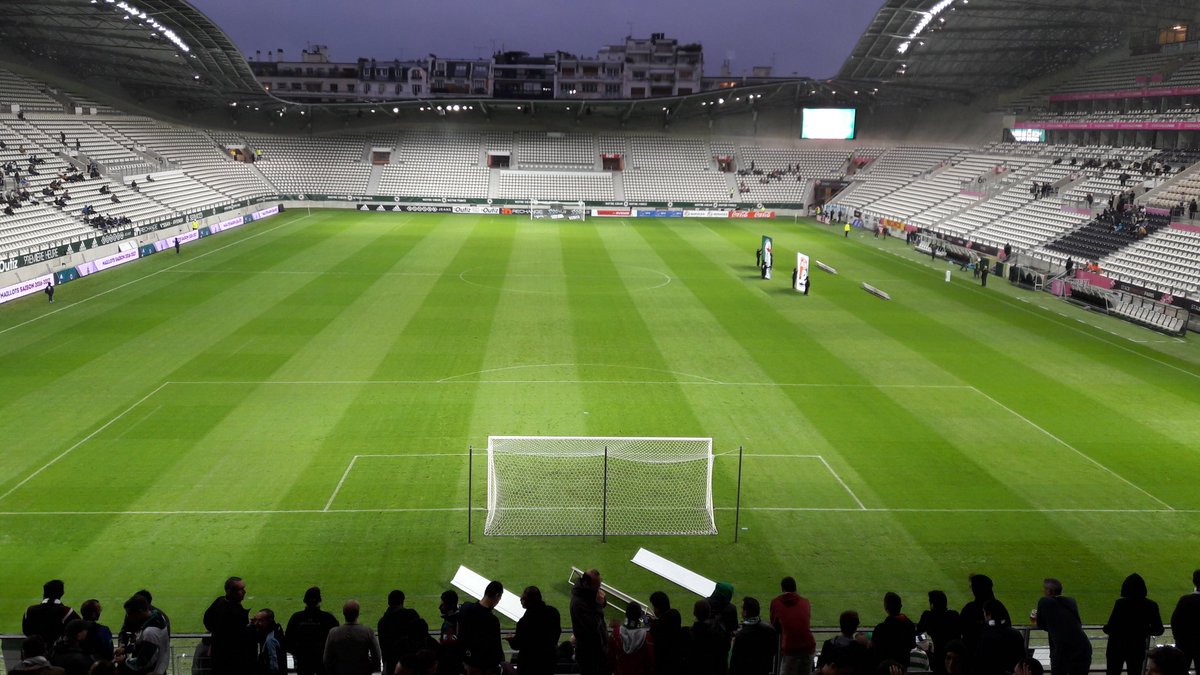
(609, 329)
(102, 370)
(1017, 380)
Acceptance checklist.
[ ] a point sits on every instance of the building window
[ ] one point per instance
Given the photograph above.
(333, 87)
(568, 72)
(590, 87)
(350, 88)
(612, 89)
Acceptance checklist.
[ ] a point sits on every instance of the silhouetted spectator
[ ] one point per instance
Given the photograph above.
(479, 632)
(1166, 660)
(50, 617)
(707, 650)
(537, 634)
(68, 652)
(1185, 622)
(231, 646)
(272, 660)
(33, 658)
(971, 615)
(401, 632)
(894, 638)
(1000, 645)
(306, 633)
(791, 616)
(848, 650)
(587, 624)
(1058, 615)
(942, 625)
(755, 645)
(666, 630)
(1134, 619)
(99, 641)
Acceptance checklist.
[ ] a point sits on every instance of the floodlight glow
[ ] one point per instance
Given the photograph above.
(926, 19)
(167, 32)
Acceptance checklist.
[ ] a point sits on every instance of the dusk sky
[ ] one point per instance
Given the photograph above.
(804, 37)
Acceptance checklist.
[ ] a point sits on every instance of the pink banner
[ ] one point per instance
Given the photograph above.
(1125, 93)
(1147, 126)
(1185, 226)
(1094, 279)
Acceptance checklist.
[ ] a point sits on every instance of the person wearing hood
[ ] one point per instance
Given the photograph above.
(631, 647)
(755, 645)
(894, 638)
(791, 616)
(1000, 646)
(720, 604)
(33, 658)
(971, 616)
(1134, 618)
(536, 638)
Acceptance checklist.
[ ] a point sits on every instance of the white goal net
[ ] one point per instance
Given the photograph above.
(550, 210)
(572, 485)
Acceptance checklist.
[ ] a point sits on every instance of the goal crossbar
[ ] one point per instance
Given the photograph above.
(599, 485)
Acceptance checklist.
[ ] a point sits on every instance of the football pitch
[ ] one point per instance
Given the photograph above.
(293, 403)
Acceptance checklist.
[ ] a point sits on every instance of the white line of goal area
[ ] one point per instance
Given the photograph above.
(1165, 507)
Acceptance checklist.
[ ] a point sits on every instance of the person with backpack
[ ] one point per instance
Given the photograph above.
(402, 632)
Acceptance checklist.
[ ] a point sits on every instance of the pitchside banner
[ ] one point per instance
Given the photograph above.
(24, 288)
(801, 276)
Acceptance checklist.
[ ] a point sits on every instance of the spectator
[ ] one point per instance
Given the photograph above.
(479, 633)
(48, 618)
(1058, 615)
(791, 615)
(720, 603)
(971, 617)
(537, 634)
(68, 652)
(666, 630)
(231, 647)
(449, 652)
(306, 633)
(755, 645)
(848, 650)
(942, 625)
(150, 599)
(1134, 619)
(587, 624)
(99, 642)
(423, 662)
(707, 650)
(1185, 622)
(33, 658)
(1166, 660)
(148, 650)
(894, 638)
(630, 648)
(955, 661)
(999, 646)
(1029, 666)
(351, 648)
(272, 660)
(401, 632)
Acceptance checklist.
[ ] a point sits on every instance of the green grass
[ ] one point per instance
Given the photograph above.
(981, 432)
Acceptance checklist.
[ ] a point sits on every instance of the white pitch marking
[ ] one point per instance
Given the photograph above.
(1073, 449)
(338, 489)
(85, 439)
(257, 512)
(350, 466)
(843, 484)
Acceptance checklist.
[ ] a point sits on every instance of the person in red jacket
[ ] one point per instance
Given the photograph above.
(790, 615)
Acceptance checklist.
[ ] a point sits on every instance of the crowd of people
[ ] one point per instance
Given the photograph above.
(723, 637)
(768, 176)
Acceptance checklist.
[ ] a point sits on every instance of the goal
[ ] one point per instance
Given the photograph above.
(540, 209)
(587, 485)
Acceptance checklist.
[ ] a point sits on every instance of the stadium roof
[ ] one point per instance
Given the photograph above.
(961, 48)
(160, 53)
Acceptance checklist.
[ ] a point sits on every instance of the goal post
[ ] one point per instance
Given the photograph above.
(598, 486)
(542, 209)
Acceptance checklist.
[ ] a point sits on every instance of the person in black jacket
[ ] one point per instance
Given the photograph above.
(401, 632)
(1185, 622)
(68, 652)
(666, 631)
(756, 644)
(1133, 620)
(306, 632)
(1058, 615)
(536, 638)
(971, 616)
(1000, 646)
(707, 645)
(479, 632)
(48, 618)
(895, 637)
(942, 625)
(232, 644)
(587, 624)
(848, 650)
